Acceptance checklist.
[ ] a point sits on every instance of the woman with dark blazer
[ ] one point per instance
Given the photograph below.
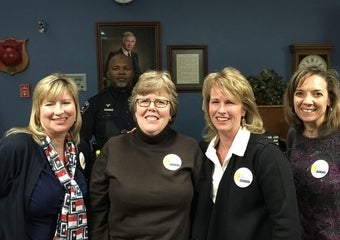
(43, 189)
(247, 190)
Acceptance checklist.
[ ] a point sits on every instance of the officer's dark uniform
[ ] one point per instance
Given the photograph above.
(105, 115)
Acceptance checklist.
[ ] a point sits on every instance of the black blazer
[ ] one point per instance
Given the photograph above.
(22, 161)
(265, 210)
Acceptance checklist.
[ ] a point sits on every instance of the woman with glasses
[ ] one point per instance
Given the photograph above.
(143, 182)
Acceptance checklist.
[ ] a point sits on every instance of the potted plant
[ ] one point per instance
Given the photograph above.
(269, 88)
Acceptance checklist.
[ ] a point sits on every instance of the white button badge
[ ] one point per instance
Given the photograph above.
(172, 162)
(243, 177)
(319, 168)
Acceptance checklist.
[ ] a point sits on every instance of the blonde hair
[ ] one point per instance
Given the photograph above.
(155, 82)
(231, 81)
(50, 87)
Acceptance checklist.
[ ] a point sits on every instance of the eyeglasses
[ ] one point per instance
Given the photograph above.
(159, 103)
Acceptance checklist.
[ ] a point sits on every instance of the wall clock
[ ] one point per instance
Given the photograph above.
(123, 1)
(304, 55)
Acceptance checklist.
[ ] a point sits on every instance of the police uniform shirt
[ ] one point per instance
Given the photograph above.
(106, 114)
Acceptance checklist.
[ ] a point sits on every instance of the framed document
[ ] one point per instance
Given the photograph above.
(188, 66)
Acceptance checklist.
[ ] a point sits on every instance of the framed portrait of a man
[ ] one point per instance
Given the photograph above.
(138, 40)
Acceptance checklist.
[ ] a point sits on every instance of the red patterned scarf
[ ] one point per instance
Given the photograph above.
(72, 220)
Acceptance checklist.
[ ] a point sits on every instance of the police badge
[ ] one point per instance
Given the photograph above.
(13, 56)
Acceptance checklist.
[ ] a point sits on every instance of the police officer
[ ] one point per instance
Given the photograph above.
(127, 48)
(107, 114)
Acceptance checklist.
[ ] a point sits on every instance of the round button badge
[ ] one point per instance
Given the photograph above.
(82, 160)
(243, 177)
(319, 168)
(172, 162)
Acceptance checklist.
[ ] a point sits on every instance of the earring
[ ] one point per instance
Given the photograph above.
(243, 121)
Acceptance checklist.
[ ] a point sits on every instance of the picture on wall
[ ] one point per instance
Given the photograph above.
(188, 66)
(146, 51)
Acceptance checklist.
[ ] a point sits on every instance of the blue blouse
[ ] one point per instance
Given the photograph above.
(46, 202)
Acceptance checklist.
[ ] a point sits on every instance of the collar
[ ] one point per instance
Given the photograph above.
(240, 142)
(120, 90)
(238, 147)
(125, 51)
(163, 137)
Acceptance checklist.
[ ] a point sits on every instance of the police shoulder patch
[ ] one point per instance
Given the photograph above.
(84, 107)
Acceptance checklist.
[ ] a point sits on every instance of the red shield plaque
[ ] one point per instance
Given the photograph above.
(13, 56)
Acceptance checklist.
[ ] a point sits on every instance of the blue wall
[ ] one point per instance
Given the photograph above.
(249, 35)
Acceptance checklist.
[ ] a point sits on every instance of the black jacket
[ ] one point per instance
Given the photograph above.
(265, 210)
(22, 161)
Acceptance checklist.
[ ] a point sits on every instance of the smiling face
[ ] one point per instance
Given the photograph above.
(225, 112)
(120, 71)
(311, 100)
(58, 116)
(152, 120)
